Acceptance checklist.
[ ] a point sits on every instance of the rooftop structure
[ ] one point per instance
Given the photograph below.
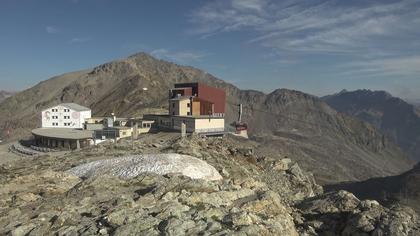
(75, 106)
(62, 138)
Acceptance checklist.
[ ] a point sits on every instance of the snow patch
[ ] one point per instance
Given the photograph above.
(132, 166)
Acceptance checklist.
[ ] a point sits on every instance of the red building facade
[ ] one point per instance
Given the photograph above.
(205, 100)
(215, 96)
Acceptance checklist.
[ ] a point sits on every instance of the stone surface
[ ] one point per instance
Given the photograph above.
(40, 197)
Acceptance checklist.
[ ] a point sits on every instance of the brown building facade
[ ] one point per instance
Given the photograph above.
(205, 99)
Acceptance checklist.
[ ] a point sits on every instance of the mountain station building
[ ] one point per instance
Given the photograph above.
(200, 107)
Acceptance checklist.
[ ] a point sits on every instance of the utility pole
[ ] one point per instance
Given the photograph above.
(240, 113)
(183, 130)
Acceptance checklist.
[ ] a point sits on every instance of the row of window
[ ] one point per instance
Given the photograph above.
(56, 124)
(173, 105)
(65, 117)
(147, 125)
(56, 110)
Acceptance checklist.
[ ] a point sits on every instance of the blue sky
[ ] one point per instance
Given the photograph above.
(319, 47)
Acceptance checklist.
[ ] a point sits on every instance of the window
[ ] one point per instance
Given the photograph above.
(66, 117)
(173, 105)
(188, 104)
(66, 110)
(188, 113)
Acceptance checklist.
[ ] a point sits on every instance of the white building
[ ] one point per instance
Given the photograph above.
(65, 115)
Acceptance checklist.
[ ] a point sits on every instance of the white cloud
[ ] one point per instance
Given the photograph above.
(376, 37)
(51, 29)
(79, 40)
(179, 57)
(313, 26)
(396, 66)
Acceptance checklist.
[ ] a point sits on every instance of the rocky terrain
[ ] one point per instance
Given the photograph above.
(259, 195)
(336, 147)
(5, 94)
(417, 109)
(403, 189)
(396, 118)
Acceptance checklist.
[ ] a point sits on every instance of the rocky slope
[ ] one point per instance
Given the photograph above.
(4, 95)
(334, 146)
(418, 110)
(403, 189)
(395, 117)
(259, 195)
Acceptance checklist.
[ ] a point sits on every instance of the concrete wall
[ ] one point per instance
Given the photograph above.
(125, 133)
(61, 144)
(193, 124)
(179, 107)
(63, 118)
(209, 125)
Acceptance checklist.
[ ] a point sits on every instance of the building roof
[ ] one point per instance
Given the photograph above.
(180, 98)
(63, 133)
(75, 106)
(186, 117)
(119, 127)
(72, 106)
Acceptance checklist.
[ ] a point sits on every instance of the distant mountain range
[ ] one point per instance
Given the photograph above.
(5, 94)
(335, 146)
(399, 120)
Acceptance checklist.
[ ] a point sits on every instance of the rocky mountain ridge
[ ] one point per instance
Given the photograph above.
(334, 146)
(259, 195)
(393, 116)
(5, 94)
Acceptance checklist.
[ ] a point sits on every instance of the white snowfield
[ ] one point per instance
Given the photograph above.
(132, 166)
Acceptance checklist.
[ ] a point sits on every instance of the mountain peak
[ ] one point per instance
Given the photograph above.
(142, 55)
